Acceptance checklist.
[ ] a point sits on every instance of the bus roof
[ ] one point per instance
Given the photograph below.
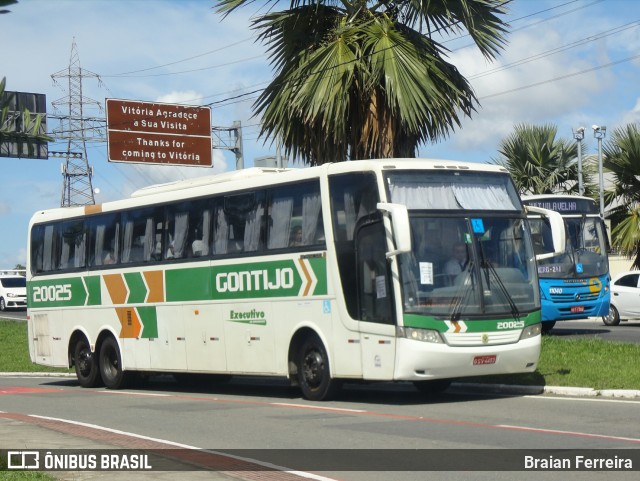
(255, 176)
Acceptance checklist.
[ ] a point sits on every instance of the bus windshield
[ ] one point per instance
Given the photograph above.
(585, 253)
(470, 250)
(468, 266)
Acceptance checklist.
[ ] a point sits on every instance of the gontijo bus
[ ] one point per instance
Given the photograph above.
(321, 275)
(575, 284)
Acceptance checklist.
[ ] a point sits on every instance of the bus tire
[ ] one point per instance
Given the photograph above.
(613, 318)
(110, 364)
(86, 364)
(435, 386)
(547, 326)
(314, 374)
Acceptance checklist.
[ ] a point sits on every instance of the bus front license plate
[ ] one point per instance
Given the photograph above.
(577, 309)
(481, 360)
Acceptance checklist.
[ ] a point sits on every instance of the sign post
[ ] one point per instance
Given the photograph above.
(158, 133)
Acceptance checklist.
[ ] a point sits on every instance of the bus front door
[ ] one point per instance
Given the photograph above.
(375, 302)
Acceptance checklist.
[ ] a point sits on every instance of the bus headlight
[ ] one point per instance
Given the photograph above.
(531, 331)
(424, 335)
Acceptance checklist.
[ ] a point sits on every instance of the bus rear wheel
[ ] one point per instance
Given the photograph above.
(86, 364)
(314, 375)
(111, 364)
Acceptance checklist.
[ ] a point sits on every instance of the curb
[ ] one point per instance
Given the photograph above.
(538, 390)
(37, 374)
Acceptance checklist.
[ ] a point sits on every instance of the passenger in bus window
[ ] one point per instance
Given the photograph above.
(296, 237)
(458, 262)
(170, 250)
(197, 246)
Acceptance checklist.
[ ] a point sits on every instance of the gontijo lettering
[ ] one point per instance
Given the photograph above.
(255, 280)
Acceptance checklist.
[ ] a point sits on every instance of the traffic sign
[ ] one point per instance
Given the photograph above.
(158, 133)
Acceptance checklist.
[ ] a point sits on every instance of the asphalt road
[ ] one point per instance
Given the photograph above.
(267, 414)
(626, 331)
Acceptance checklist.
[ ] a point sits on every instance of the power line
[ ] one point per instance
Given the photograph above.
(211, 67)
(124, 74)
(547, 53)
(562, 77)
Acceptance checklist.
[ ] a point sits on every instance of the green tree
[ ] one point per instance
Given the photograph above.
(30, 125)
(6, 3)
(358, 79)
(621, 157)
(540, 163)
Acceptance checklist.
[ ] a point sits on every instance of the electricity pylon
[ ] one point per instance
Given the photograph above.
(77, 188)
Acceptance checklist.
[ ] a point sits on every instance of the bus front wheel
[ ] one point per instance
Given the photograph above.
(612, 318)
(547, 326)
(314, 376)
(111, 364)
(86, 364)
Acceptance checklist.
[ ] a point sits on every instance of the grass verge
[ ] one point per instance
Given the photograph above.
(14, 350)
(564, 362)
(6, 475)
(574, 362)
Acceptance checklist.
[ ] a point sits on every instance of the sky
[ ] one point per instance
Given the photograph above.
(567, 63)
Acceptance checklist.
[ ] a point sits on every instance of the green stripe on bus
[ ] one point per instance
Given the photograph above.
(57, 293)
(149, 318)
(472, 325)
(319, 266)
(93, 287)
(283, 278)
(137, 288)
(188, 284)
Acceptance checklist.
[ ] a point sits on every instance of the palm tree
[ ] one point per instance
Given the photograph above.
(540, 163)
(621, 157)
(6, 3)
(357, 79)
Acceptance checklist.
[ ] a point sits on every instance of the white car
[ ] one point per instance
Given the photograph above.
(13, 292)
(625, 298)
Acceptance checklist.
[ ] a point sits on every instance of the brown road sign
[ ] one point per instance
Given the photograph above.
(157, 133)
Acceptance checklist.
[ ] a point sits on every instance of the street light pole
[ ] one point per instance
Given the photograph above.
(599, 133)
(578, 134)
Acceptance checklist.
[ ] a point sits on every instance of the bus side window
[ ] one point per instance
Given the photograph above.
(73, 245)
(352, 196)
(104, 235)
(295, 216)
(240, 224)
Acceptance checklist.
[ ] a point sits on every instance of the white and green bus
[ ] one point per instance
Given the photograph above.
(321, 275)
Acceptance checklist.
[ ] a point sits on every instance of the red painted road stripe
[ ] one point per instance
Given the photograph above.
(26, 390)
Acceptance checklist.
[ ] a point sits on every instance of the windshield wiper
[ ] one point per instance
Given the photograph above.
(514, 309)
(457, 304)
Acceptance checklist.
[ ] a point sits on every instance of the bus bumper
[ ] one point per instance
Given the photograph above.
(420, 361)
(555, 311)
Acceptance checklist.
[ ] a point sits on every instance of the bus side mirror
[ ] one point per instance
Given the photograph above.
(399, 225)
(558, 234)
